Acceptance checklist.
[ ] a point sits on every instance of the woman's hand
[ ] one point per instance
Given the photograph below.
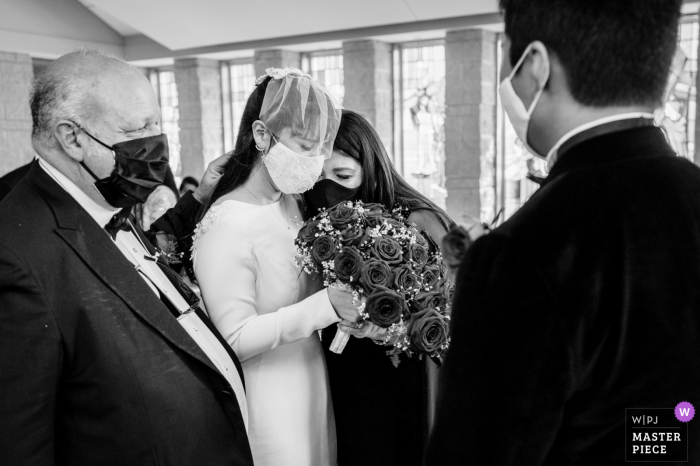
(363, 329)
(344, 303)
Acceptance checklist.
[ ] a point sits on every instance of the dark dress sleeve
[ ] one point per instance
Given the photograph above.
(181, 220)
(507, 360)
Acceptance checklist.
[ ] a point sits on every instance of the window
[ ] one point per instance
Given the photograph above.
(163, 81)
(677, 118)
(327, 68)
(237, 83)
(420, 117)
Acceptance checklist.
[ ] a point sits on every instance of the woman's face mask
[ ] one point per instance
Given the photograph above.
(292, 173)
(326, 194)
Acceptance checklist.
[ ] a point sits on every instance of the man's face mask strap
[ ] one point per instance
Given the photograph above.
(518, 114)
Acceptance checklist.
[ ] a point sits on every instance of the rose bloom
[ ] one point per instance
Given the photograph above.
(308, 232)
(438, 263)
(387, 249)
(420, 239)
(324, 249)
(375, 219)
(341, 216)
(405, 278)
(417, 254)
(428, 330)
(448, 290)
(353, 236)
(348, 265)
(431, 276)
(455, 245)
(375, 273)
(385, 307)
(373, 207)
(427, 299)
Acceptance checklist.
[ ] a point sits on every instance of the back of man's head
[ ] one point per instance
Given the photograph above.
(615, 52)
(66, 90)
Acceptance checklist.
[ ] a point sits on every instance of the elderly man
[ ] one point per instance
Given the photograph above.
(106, 359)
(585, 303)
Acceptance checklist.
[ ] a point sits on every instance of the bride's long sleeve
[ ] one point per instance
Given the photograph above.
(226, 272)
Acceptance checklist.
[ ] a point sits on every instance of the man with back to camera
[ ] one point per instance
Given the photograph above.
(105, 358)
(586, 301)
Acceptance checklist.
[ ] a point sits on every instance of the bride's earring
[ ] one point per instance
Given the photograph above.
(262, 150)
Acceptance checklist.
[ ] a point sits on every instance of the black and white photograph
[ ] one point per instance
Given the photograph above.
(365, 233)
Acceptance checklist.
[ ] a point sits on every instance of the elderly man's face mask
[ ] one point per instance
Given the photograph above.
(139, 168)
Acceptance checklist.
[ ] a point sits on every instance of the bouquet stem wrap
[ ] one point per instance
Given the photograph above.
(339, 341)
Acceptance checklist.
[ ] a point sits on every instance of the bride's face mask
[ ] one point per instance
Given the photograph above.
(303, 119)
(291, 172)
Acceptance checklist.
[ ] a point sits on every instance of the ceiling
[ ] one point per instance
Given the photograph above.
(185, 24)
(156, 31)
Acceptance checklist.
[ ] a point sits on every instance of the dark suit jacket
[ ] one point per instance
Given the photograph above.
(584, 303)
(9, 180)
(94, 369)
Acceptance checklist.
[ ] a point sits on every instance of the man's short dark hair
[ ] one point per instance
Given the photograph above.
(615, 52)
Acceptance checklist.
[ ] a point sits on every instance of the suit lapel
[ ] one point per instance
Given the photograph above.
(93, 245)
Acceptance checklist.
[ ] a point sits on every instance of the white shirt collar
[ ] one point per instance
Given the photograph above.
(100, 214)
(553, 155)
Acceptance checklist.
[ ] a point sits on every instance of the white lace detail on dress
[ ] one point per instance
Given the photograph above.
(216, 215)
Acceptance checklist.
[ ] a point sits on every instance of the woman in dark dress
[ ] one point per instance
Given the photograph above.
(382, 413)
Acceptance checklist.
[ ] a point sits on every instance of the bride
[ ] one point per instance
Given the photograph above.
(243, 258)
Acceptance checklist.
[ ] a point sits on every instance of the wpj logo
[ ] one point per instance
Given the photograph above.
(657, 434)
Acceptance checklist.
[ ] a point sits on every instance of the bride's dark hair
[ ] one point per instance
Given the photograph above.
(245, 156)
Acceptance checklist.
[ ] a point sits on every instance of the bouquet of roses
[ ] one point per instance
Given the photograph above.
(383, 257)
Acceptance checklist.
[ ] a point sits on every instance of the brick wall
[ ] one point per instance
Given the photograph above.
(15, 118)
(199, 101)
(470, 122)
(367, 74)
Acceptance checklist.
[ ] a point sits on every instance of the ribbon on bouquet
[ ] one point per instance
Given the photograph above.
(339, 341)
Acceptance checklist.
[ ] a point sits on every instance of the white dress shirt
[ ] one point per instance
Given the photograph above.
(553, 154)
(131, 247)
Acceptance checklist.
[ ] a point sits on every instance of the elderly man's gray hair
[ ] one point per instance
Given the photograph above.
(61, 95)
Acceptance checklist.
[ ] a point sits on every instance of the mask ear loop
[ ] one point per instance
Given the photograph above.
(515, 69)
(82, 162)
(261, 148)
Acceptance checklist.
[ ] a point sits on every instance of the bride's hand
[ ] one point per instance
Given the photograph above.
(363, 329)
(344, 303)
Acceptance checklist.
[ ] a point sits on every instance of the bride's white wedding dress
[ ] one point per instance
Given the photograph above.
(268, 312)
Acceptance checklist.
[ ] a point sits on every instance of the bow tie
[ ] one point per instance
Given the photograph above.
(120, 221)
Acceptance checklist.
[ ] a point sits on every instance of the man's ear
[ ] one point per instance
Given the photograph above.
(66, 134)
(533, 74)
(539, 64)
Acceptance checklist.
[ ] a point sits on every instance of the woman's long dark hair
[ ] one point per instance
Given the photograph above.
(245, 156)
(381, 183)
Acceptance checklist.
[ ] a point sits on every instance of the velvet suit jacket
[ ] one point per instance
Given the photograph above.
(9, 180)
(94, 369)
(584, 303)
